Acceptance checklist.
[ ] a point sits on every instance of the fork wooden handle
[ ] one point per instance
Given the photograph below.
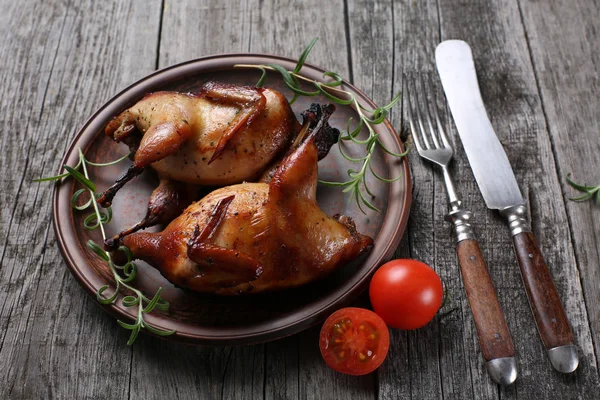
(494, 337)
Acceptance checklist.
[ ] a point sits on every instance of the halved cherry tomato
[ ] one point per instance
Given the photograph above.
(354, 341)
(406, 293)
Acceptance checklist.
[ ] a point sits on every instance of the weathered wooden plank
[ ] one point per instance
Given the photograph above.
(319, 382)
(67, 59)
(61, 62)
(173, 370)
(432, 362)
(563, 45)
(188, 31)
(376, 55)
(192, 29)
(281, 29)
(285, 28)
(496, 34)
(282, 369)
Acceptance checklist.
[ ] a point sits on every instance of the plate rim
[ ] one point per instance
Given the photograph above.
(290, 328)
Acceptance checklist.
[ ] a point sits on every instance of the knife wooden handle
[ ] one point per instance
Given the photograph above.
(548, 311)
(494, 337)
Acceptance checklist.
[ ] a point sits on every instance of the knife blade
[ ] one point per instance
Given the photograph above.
(498, 185)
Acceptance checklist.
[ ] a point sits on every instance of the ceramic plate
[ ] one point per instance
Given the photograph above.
(209, 319)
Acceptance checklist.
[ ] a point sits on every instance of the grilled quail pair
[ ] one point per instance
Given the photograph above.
(246, 237)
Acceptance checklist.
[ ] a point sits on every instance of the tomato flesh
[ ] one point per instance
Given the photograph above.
(354, 341)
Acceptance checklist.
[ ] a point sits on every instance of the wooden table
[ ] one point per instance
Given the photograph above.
(538, 64)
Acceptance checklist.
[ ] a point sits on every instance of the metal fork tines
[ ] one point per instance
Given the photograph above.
(433, 145)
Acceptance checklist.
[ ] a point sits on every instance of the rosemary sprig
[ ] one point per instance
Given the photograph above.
(368, 118)
(97, 219)
(589, 191)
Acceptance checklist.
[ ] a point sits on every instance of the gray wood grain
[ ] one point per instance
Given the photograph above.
(193, 29)
(284, 28)
(381, 35)
(537, 63)
(566, 63)
(282, 369)
(264, 27)
(509, 89)
(190, 30)
(62, 61)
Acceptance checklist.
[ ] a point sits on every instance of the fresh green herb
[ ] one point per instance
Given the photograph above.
(367, 119)
(589, 191)
(123, 274)
(448, 300)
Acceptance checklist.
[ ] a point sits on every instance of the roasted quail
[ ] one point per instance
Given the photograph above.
(223, 135)
(255, 237)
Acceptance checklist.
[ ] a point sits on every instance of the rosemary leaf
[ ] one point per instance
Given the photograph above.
(337, 79)
(98, 250)
(52, 178)
(352, 134)
(262, 78)
(97, 219)
(154, 301)
(108, 163)
(366, 202)
(76, 196)
(81, 178)
(304, 54)
(335, 99)
(392, 103)
(589, 191)
(583, 197)
(335, 184)
(352, 159)
(379, 115)
(381, 178)
(367, 189)
(57, 177)
(127, 252)
(399, 155)
(162, 305)
(106, 300)
(92, 222)
(367, 120)
(131, 301)
(158, 331)
(134, 334)
(126, 325)
(287, 77)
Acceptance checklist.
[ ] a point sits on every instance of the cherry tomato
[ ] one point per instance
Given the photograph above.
(406, 293)
(354, 341)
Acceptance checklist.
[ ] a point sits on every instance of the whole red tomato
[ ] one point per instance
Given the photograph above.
(406, 294)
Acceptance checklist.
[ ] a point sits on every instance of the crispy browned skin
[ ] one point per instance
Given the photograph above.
(226, 134)
(254, 237)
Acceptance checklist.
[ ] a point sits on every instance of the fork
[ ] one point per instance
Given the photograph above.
(433, 145)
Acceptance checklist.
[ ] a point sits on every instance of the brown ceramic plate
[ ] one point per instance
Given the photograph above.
(205, 319)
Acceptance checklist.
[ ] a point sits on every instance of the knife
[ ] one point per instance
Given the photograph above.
(500, 191)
